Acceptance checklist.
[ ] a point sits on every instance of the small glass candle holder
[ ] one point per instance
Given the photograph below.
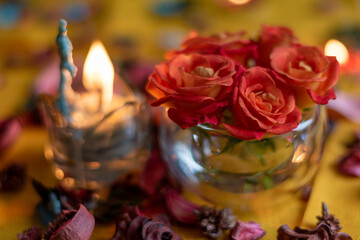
(101, 147)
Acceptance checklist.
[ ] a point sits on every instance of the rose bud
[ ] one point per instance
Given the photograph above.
(306, 69)
(247, 231)
(180, 208)
(195, 88)
(71, 225)
(262, 104)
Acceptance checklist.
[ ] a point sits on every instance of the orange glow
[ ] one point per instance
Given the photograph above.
(336, 48)
(98, 72)
(238, 2)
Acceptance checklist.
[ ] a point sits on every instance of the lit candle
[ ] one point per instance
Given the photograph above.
(349, 60)
(336, 48)
(98, 79)
(95, 136)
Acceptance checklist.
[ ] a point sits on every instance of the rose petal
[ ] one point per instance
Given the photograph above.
(180, 208)
(10, 130)
(247, 231)
(153, 172)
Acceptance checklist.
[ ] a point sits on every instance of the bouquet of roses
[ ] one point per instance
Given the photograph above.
(248, 87)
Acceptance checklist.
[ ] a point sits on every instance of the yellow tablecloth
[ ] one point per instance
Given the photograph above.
(17, 210)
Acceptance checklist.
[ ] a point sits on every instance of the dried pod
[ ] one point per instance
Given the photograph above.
(327, 229)
(122, 224)
(33, 233)
(213, 222)
(226, 219)
(144, 228)
(71, 225)
(329, 219)
(180, 208)
(247, 231)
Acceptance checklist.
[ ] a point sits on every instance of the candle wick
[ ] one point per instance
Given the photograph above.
(100, 93)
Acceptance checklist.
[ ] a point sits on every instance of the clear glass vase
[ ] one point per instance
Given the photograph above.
(236, 173)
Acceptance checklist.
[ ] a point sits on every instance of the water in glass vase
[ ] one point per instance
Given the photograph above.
(225, 170)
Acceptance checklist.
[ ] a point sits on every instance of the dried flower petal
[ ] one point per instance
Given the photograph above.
(180, 208)
(327, 229)
(12, 178)
(329, 219)
(153, 172)
(72, 225)
(33, 233)
(247, 231)
(350, 165)
(122, 224)
(10, 130)
(144, 228)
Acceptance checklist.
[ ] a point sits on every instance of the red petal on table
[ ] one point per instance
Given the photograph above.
(10, 130)
(350, 165)
(153, 172)
(80, 227)
(180, 208)
(247, 231)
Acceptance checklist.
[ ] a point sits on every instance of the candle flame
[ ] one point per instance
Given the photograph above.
(336, 48)
(238, 2)
(98, 72)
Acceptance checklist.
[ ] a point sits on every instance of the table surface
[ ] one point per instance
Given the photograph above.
(341, 193)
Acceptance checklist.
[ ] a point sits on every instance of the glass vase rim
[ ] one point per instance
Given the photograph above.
(304, 123)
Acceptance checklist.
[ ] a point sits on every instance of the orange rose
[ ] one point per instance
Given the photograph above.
(262, 104)
(270, 38)
(231, 45)
(306, 69)
(195, 87)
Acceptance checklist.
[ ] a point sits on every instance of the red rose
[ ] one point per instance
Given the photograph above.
(262, 104)
(194, 87)
(270, 38)
(307, 68)
(231, 45)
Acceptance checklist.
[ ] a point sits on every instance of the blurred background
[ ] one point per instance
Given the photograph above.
(137, 33)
